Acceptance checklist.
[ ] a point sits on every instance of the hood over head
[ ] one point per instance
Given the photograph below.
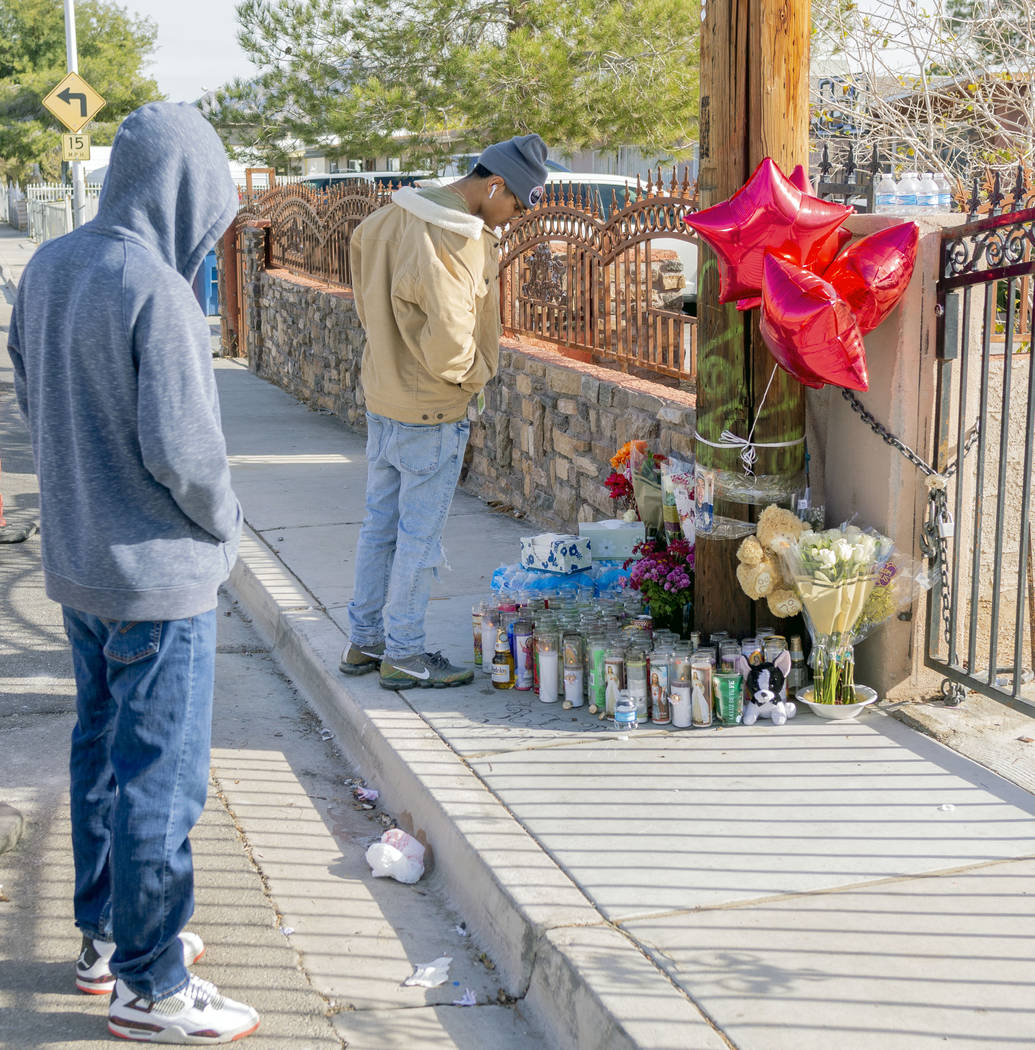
(168, 184)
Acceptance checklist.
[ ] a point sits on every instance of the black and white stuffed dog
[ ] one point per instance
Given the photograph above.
(765, 695)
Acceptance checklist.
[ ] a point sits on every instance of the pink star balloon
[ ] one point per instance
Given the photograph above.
(769, 213)
(822, 256)
(809, 329)
(874, 273)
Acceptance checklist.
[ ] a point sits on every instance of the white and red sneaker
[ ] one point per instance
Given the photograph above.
(195, 1016)
(93, 976)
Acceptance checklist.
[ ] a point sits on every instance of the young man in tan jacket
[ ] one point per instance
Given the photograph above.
(425, 276)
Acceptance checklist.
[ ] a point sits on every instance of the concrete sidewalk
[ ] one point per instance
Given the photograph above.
(812, 886)
(292, 919)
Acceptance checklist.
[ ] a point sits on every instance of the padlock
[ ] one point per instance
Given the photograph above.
(946, 528)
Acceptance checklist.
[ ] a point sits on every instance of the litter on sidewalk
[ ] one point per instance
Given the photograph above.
(430, 975)
(398, 856)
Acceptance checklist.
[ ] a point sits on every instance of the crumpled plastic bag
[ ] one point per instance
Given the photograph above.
(430, 975)
(398, 856)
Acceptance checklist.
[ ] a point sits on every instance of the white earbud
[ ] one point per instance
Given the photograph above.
(492, 191)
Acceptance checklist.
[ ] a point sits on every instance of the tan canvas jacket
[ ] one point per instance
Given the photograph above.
(426, 283)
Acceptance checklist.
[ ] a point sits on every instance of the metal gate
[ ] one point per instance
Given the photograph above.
(981, 611)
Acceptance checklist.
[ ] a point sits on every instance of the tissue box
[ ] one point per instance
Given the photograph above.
(554, 552)
(613, 538)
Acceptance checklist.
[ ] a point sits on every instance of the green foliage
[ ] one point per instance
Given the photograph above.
(435, 77)
(113, 48)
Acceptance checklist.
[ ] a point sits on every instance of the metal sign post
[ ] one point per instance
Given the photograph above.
(78, 178)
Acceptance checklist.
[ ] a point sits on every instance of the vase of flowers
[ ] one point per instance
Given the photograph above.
(834, 574)
(665, 578)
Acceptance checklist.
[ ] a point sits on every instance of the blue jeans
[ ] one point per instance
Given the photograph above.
(139, 776)
(412, 471)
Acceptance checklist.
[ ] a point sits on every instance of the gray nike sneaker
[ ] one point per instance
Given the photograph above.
(426, 670)
(358, 659)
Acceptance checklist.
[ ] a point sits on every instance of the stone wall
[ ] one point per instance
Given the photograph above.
(550, 425)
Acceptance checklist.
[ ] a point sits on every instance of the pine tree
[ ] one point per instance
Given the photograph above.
(439, 77)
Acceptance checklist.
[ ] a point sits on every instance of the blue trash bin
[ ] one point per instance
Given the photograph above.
(206, 285)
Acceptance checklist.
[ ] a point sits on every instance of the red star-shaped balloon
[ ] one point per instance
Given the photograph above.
(768, 214)
(874, 273)
(810, 329)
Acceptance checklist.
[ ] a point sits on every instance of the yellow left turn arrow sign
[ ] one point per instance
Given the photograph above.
(74, 102)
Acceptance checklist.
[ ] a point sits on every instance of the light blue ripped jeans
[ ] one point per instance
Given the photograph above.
(412, 471)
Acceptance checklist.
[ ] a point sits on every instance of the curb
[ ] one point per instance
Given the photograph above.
(12, 824)
(542, 932)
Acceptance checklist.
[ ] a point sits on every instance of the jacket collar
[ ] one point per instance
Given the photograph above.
(410, 199)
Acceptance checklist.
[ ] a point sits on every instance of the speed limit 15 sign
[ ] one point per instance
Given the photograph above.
(75, 147)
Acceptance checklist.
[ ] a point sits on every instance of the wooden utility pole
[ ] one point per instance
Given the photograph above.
(754, 104)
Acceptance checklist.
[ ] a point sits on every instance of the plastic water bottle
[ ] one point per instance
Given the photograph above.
(884, 200)
(944, 192)
(905, 193)
(625, 713)
(927, 197)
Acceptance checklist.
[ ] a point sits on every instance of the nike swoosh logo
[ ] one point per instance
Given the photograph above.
(426, 674)
(375, 656)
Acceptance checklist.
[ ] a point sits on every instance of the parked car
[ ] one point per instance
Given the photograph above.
(380, 178)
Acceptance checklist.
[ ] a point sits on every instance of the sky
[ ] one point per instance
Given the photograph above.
(197, 50)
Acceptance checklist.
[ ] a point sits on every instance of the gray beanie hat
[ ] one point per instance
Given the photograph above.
(521, 163)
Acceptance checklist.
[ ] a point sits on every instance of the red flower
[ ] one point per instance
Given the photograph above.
(619, 487)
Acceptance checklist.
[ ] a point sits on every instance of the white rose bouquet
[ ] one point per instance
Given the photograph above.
(834, 573)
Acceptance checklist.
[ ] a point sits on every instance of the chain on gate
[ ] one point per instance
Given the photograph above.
(938, 528)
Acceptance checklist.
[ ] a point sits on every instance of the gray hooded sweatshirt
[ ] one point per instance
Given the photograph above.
(113, 373)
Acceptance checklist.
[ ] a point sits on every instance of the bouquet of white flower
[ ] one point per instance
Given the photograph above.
(834, 573)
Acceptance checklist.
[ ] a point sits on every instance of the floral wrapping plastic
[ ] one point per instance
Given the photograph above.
(850, 580)
(677, 499)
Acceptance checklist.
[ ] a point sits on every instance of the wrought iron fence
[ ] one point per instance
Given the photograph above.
(613, 290)
(846, 178)
(310, 230)
(995, 190)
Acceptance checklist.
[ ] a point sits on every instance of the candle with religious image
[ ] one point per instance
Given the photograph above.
(660, 711)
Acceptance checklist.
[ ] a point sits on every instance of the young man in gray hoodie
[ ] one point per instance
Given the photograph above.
(139, 526)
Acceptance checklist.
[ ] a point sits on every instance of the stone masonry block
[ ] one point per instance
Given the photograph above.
(591, 388)
(564, 504)
(639, 426)
(645, 403)
(568, 446)
(673, 414)
(568, 406)
(599, 498)
(588, 465)
(564, 381)
(523, 384)
(606, 432)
